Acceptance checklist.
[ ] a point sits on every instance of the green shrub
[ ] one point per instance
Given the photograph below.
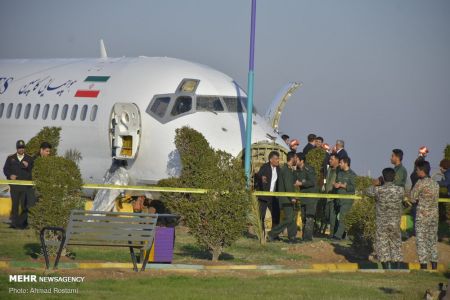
(360, 221)
(47, 134)
(315, 159)
(218, 218)
(58, 188)
(447, 152)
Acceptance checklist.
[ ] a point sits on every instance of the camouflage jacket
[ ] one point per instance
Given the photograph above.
(389, 198)
(426, 194)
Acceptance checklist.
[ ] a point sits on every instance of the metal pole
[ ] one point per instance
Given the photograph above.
(248, 142)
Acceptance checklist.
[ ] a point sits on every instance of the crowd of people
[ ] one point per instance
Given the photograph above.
(337, 177)
(19, 166)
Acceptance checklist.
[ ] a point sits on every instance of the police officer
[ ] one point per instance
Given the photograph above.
(306, 181)
(345, 184)
(426, 194)
(286, 182)
(388, 239)
(18, 166)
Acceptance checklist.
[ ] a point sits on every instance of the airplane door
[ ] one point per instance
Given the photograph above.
(125, 131)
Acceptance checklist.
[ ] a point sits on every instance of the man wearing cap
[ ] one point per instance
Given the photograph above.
(18, 166)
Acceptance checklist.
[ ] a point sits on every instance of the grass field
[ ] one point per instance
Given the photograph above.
(22, 245)
(306, 286)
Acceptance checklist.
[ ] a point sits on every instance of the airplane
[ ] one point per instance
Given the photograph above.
(127, 109)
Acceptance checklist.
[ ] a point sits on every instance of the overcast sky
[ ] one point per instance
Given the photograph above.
(375, 73)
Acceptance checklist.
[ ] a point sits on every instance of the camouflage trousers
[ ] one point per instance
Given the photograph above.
(426, 239)
(388, 241)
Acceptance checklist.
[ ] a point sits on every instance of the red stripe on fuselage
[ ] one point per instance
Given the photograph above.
(87, 93)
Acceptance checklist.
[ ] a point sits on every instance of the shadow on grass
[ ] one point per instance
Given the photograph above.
(352, 255)
(194, 251)
(32, 249)
(389, 291)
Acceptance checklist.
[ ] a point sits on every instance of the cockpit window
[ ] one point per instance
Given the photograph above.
(182, 105)
(209, 104)
(234, 104)
(160, 105)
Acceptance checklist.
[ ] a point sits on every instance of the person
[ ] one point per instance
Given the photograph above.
(285, 138)
(286, 181)
(318, 142)
(400, 171)
(293, 145)
(345, 184)
(340, 151)
(306, 181)
(389, 208)
(44, 150)
(445, 170)
(311, 143)
(423, 152)
(426, 194)
(267, 180)
(328, 188)
(18, 166)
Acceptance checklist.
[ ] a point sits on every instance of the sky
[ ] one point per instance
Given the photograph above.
(375, 73)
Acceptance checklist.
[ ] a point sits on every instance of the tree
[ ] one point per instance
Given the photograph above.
(47, 134)
(218, 218)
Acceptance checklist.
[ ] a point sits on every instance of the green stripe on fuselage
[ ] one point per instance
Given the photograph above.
(97, 78)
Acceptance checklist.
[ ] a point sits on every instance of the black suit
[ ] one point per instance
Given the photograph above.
(22, 196)
(341, 154)
(308, 147)
(268, 201)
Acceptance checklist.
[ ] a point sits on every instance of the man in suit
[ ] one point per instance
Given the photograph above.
(18, 166)
(311, 143)
(267, 180)
(286, 182)
(340, 151)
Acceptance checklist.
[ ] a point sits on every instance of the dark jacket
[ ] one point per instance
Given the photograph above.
(342, 154)
(308, 147)
(15, 167)
(266, 171)
(445, 182)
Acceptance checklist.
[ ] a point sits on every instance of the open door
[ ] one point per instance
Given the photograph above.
(125, 131)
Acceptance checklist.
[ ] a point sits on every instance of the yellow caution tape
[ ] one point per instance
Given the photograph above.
(199, 191)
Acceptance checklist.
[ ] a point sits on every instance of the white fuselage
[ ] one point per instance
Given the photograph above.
(100, 84)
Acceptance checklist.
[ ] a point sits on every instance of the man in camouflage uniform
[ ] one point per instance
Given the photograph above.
(345, 184)
(388, 239)
(306, 181)
(286, 182)
(426, 194)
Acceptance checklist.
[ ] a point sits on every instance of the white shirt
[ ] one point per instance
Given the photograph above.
(20, 157)
(274, 179)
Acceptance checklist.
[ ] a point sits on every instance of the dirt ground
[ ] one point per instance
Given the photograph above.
(330, 252)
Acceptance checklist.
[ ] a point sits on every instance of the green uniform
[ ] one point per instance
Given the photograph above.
(307, 176)
(286, 182)
(343, 206)
(400, 175)
(329, 189)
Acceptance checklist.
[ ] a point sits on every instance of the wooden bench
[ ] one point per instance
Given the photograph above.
(105, 229)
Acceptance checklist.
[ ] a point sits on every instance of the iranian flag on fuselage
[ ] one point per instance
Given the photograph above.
(93, 91)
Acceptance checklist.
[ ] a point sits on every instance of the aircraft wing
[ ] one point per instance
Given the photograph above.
(273, 113)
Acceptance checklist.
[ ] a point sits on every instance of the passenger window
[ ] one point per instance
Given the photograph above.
(9, 111)
(2, 108)
(55, 111)
(64, 111)
(26, 114)
(160, 105)
(182, 105)
(233, 104)
(18, 110)
(37, 108)
(209, 104)
(73, 114)
(94, 112)
(83, 112)
(45, 111)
